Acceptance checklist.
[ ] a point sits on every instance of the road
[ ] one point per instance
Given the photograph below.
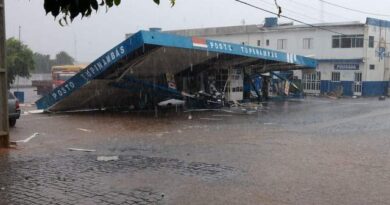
(311, 151)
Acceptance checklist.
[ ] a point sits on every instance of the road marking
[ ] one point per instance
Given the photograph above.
(28, 139)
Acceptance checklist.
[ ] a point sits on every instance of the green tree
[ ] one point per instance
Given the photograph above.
(73, 8)
(63, 58)
(42, 63)
(19, 60)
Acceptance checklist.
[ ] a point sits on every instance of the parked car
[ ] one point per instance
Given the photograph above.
(13, 109)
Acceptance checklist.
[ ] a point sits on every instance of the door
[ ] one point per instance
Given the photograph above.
(311, 82)
(357, 85)
(236, 83)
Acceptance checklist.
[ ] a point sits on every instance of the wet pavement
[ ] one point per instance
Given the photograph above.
(311, 151)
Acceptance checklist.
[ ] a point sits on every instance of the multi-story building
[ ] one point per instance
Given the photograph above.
(352, 56)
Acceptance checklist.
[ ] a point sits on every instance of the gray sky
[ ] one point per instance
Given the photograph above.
(89, 38)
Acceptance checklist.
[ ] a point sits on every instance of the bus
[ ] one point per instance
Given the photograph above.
(62, 73)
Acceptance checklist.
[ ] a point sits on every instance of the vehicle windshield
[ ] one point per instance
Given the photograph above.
(160, 102)
(65, 76)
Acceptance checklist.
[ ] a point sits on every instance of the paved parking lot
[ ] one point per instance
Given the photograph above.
(312, 151)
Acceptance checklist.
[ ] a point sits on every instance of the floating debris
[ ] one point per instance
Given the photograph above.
(81, 150)
(107, 158)
(84, 130)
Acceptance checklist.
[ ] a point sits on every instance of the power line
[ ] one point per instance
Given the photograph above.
(354, 10)
(296, 20)
(291, 11)
(312, 7)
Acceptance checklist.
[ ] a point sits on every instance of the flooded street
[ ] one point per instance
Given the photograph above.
(311, 151)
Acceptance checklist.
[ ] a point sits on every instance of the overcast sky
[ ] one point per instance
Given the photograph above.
(89, 38)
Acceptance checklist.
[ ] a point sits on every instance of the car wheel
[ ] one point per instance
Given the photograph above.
(12, 122)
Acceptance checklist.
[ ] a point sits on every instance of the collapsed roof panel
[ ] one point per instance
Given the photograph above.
(149, 54)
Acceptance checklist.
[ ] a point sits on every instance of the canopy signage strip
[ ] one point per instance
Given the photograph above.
(91, 71)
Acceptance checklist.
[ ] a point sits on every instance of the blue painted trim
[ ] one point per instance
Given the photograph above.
(377, 22)
(375, 88)
(357, 60)
(171, 40)
(369, 88)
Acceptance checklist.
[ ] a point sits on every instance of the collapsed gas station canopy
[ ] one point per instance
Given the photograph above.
(147, 54)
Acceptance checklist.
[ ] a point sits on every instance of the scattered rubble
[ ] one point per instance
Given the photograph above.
(107, 158)
(81, 150)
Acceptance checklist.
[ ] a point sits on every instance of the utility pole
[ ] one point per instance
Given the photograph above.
(4, 126)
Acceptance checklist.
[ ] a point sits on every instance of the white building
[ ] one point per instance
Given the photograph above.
(351, 55)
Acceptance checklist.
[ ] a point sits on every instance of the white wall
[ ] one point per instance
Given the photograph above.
(322, 47)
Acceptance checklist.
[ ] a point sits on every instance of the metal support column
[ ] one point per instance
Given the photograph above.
(4, 126)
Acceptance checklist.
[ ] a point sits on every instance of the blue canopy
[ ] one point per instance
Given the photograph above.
(146, 54)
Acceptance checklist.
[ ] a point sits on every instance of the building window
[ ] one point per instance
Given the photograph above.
(267, 42)
(336, 76)
(372, 67)
(282, 44)
(307, 43)
(371, 41)
(258, 43)
(347, 41)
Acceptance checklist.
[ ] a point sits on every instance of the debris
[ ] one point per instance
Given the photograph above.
(107, 158)
(212, 119)
(382, 97)
(171, 102)
(222, 115)
(81, 150)
(25, 140)
(84, 130)
(354, 97)
(36, 111)
(2, 188)
(190, 117)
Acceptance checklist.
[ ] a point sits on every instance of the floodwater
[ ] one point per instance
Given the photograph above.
(310, 151)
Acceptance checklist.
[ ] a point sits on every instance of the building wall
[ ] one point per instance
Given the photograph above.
(375, 81)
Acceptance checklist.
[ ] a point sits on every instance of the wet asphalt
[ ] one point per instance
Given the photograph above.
(310, 151)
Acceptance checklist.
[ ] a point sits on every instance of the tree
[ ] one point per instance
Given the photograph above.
(42, 63)
(19, 60)
(72, 8)
(63, 58)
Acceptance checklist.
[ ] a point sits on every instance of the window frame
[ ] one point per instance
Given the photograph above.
(307, 43)
(348, 41)
(335, 76)
(371, 41)
(281, 44)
